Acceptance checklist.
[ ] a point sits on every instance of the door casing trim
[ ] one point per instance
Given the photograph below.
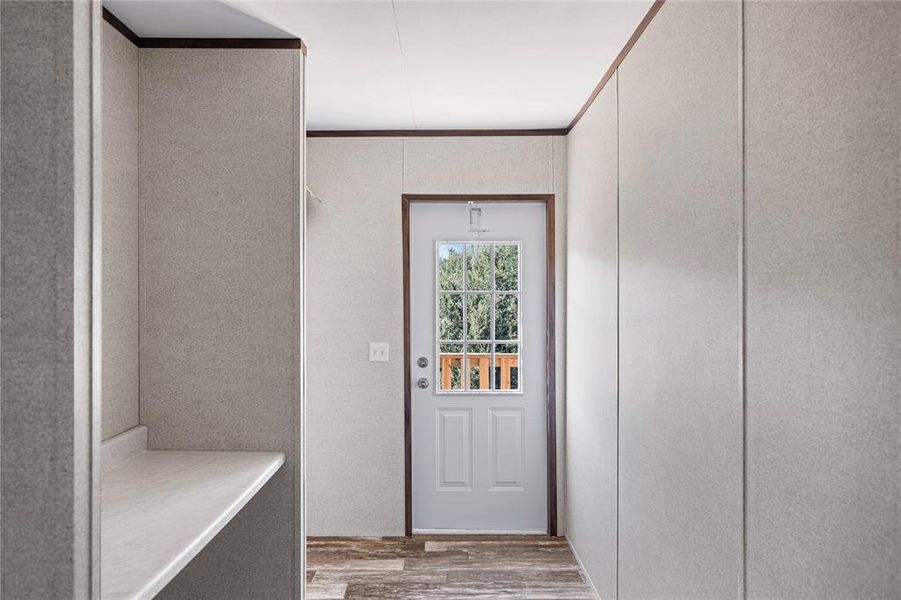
(550, 343)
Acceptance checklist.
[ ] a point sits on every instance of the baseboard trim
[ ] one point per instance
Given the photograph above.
(352, 535)
(583, 569)
(479, 532)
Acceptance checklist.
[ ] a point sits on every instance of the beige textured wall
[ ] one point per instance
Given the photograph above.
(823, 137)
(355, 439)
(655, 447)
(591, 340)
(119, 236)
(799, 102)
(354, 408)
(680, 437)
(219, 200)
(48, 533)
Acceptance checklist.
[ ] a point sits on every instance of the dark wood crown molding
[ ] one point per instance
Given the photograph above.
(240, 43)
(245, 43)
(433, 132)
(121, 27)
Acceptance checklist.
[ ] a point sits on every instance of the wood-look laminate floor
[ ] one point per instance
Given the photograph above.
(444, 567)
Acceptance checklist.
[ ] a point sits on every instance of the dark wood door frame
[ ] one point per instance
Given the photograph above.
(550, 341)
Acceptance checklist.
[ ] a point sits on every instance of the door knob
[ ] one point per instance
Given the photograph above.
(422, 383)
(422, 361)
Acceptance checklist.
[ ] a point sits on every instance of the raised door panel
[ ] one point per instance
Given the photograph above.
(507, 448)
(454, 448)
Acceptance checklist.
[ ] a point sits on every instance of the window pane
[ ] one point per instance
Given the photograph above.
(478, 267)
(478, 317)
(506, 366)
(506, 267)
(450, 267)
(506, 317)
(478, 367)
(450, 367)
(450, 316)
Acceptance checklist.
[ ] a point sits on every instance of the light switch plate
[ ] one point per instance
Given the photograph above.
(378, 352)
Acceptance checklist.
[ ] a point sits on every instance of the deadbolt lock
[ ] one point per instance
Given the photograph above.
(422, 361)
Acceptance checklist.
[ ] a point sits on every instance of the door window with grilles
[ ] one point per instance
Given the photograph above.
(478, 316)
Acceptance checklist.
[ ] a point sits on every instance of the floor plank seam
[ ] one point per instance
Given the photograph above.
(444, 568)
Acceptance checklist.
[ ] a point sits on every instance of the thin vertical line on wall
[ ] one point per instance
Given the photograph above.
(140, 231)
(295, 321)
(616, 562)
(744, 312)
(303, 324)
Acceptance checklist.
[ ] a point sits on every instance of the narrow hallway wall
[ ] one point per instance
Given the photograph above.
(119, 235)
(823, 186)
(591, 341)
(680, 396)
(758, 252)
(49, 530)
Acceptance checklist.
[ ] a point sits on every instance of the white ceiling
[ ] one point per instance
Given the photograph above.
(420, 64)
(189, 18)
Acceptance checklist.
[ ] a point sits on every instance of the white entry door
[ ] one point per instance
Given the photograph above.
(478, 366)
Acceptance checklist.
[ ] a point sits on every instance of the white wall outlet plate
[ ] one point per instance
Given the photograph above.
(378, 352)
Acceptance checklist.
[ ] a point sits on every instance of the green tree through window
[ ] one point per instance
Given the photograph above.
(478, 301)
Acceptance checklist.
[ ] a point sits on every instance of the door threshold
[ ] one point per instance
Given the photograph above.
(480, 532)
